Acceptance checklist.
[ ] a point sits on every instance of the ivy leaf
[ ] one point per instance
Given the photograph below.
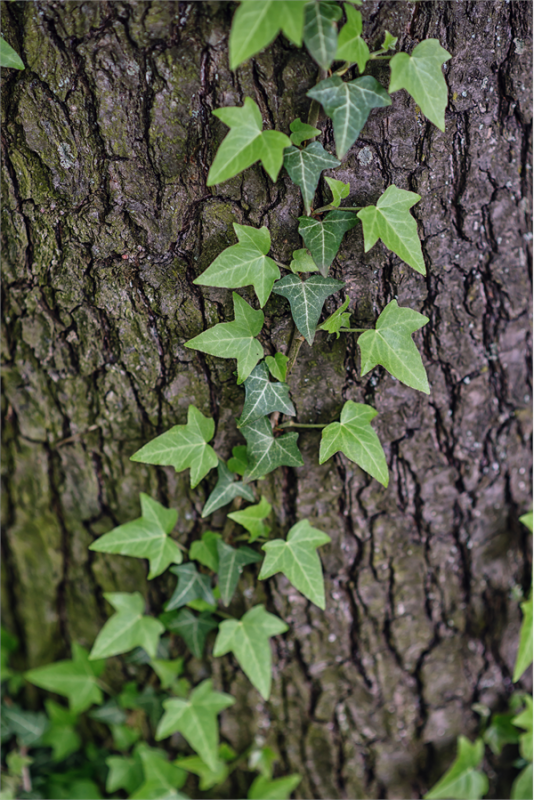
(522, 786)
(231, 563)
(306, 299)
(257, 23)
(161, 778)
(75, 679)
(277, 364)
(266, 453)
(183, 446)
(302, 262)
(348, 104)
(251, 519)
(350, 45)
(244, 264)
(263, 788)
(145, 537)
(191, 628)
(354, 437)
(302, 131)
(339, 319)
(304, 167)
(61, 736)
(248, 639)
(524, 720)
(124, 773)
(391, 345)
(389, 42)
(205, 550)
(208, 777)
(421, 75)
(246, 143)
(191, 585)
(298, 560)
(226, 488)
(264, 397)
(196, 720)
(124, 736)
(463, 780)
(167, 670)
(234, 339)
(239, 462)
(8, 57)
(524, 653)
(128, 628)
(323, 238)
(27, 726)
(527, 519)
(338, 188)
(391, 221)
(320, 33)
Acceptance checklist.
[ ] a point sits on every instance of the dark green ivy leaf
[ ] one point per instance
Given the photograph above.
(231, 563)
(320, 32)
(264, 397)
(191, 585)
(304, 167)
(323, 239)
(205, 550)
(266, 453)
(306, 299)
(226, 488)
(193, 629)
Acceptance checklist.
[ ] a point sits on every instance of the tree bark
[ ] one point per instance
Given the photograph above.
(107, 140)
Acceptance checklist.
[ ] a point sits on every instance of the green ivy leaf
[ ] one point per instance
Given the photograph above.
(524, 652)
(239, 462)
(339, 319)
(231, 563)
(183, 446)
(27, 726)
(462, 780)
(302, 131)
(124, 773)
(421, 75)
(302, 261)
(61, 736)
(264, 397)
(251, 519)
(389, 42)
(75, 679)
(244, 264)
(246, 143)
(205, 550)
(527, 519)
(391, 345)
(304, 167)
(234, 339)
(196, 720)
(524, 720)
(266, 453)
(208, 777)
(306, 299)
(263, 788)
(191, 585)
(226, 488)
(354, 436)
(248, 639)
(8, 57)
(391, 221)
(277, 364)
(161, 778)
(350, 45)
(339, 190)
(323, 238)
(501, 732)
(127, 628)
(522, 786)
(257, 23)
(145, 537)
(124, 736)
(167, 670)
(348, 104)
(297, 559)
(191, 628)
(320, 32)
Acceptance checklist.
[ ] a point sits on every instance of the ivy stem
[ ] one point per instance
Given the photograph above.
(223, 614)
(315, 107)
(292, 424)
(345, 68)
(354, 330)
(330, 207)
(376, 55)
(296, 344)
(279, 264)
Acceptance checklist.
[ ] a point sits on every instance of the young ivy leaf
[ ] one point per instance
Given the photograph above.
(300, 131)
(323, 239)
(320, 32)
(167, 670)
(226, 488)
(76, 679)
(524, 720)
(246, 143)
(420, 74)
(389, 42)
(239, 461)
(304, 167)
(234, 339)
(145, 537)
(354, 437)
(339, 190)
(244, 264)
(266, 453)
(161, 778)
(248, 639)
(263, 788)
(124, 773)
(193, 629)
(205, 550)
(208, 777)
(257, 23)
(297, 558)
(306, 299)
(61, 736)
(231, 563)
(350, 45)
(264, 397)
(339, 319)
(127, 628)
(302, 261)
(348, 104)
(391, 221)
(183, 446)
(8, 57)
(277, 364)
(196, 720)
(251, 519)
(191, 585)
(391, 345)
(463, 779)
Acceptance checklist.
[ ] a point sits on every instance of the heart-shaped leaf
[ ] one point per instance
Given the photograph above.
(421, 75)
(226, 489)
(350, 45)
(263, 397)
(304, 167)
(251, 518)
(306, 299)
(191, 585)
(193, 629)
(323, 238)
(231, 563)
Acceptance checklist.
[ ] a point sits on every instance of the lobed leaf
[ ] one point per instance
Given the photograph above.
(76, 679)
(263, 788)
(306, 299)
(339, 319)
(191, 585)
(193, 629)
(231, 563)
(277, 364)
(127, 628)
(257, 23)
(263, 397)
(226, 488)
(304, 167)
(350, 45)
(265, 453)
(161, 778)
(323, 238)
(421, 75)
(239, 462)
(462, 780)
(251, 519)
(300, 131)
(320, 32)
(302, 261)
(339, 190)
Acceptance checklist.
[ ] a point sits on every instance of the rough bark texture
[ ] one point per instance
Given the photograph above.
(108, 137)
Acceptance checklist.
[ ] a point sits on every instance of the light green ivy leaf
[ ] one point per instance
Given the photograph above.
(263, 397)
(522, 786)
(205, 550)
(191, 585)
(339, 190)
(524, 720)
(162, 779)
(27, 726)
(251, 519)
(277, 364)
(297, 559)
(422, 77)
(306, 299)
(339, 319)
(8, 57)
(302, 261)
(263, 788)
(167, 670)
(300, 131)
(231, 563)
(226, 488)
(257, 23)
(248, 639)
(208, 777)
(128, 628)
(462, 780)
(323, 238)
(265, 453)
(76, 679)
(389, 42)
(304, 167)
(524, 652)
(239, 462)
(193, 629)
(234, 339)
(124, 773)
(391, 345)
(61, 736)
(320, 32)
(350, 45)
(354, 436)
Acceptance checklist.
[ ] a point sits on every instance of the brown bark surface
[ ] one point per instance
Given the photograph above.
(107, 140)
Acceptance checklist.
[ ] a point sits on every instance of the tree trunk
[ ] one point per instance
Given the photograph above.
(107, 139)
